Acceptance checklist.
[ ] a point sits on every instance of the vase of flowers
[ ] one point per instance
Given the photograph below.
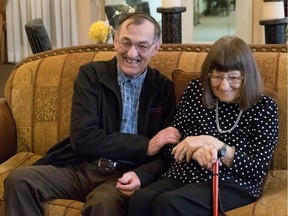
(120, 11)
(100, 32)
(124, 8)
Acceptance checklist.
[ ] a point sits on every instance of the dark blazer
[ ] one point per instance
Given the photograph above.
(96, 119)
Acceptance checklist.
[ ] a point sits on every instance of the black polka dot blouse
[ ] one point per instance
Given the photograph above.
(254, 138)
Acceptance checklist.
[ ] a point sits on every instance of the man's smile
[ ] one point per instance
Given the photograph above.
(131, 61)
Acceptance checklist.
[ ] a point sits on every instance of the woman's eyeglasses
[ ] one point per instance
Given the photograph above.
(232, 79)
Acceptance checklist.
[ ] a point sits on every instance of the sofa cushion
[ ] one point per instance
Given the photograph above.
(273, 199)
(61, 207)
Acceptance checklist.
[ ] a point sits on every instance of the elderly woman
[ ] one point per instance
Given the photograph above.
(225, 110)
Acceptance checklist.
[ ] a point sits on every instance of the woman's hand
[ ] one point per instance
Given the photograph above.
(203, 149)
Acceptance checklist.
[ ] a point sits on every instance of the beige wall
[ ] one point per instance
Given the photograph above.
(84, 21)
(88, 12)
(258, 36)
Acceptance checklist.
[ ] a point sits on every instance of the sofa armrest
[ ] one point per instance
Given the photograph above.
(8, 137)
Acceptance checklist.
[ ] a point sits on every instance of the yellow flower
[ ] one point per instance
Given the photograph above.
(100, 32)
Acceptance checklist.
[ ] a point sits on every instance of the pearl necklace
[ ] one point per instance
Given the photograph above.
(217, 120)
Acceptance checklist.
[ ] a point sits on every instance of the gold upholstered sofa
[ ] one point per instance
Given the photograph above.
(35, 112)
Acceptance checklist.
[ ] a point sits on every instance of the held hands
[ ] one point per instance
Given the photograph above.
(169, 135)
(203, 149)
(128, 183)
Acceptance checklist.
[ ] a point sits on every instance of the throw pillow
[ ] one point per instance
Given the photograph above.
(181, 80)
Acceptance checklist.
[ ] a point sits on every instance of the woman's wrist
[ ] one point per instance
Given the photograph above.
(227, 160)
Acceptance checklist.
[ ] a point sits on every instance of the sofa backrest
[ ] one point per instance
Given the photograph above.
(39, 91)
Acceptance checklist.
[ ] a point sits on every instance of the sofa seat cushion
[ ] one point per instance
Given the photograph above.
(59, 207)
(63, 207)
(18, 160)
(272, 202)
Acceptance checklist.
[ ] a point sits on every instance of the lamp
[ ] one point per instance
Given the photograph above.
(275, 22)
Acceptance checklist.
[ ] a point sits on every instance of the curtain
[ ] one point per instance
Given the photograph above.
(59, 18)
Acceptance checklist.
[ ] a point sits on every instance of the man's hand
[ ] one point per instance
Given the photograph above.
(169, 135)
(128, 183)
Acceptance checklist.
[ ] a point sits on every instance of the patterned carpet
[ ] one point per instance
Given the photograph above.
(5, 70)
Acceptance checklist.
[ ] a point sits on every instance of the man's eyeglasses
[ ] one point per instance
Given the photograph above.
(232, 79)
(141, 47)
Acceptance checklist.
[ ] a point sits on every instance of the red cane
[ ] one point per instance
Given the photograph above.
(215, 180)
(215, 168)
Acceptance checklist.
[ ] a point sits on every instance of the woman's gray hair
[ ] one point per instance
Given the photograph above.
(227, 54)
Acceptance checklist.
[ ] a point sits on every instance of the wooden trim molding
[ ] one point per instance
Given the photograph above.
(164, 47)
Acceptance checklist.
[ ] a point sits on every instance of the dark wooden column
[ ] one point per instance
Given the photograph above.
(275, 30)
(171, 24)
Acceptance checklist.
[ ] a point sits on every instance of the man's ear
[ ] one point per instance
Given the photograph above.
(115, 41)
(157, 45)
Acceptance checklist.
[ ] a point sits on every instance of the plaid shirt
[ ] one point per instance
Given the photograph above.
(130, 92)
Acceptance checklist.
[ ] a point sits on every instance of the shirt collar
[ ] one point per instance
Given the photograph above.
(135, 81)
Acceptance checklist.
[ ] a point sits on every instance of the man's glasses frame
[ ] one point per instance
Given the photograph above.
(141, 47)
